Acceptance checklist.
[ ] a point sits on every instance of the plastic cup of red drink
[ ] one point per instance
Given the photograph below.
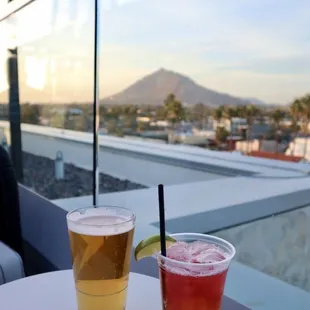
(193, 273)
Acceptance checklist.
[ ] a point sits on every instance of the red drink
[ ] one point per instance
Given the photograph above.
(187, 292)
(194, 272)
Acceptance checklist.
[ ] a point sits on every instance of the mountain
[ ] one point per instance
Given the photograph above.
(154, 88)
(255, 101)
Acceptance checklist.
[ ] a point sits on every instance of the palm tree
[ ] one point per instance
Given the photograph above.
(306, 117)
(174, 109)
(296, 113)
(230, 113)
(277, 117)
(200, 114)
(250, 112)
(218, 114)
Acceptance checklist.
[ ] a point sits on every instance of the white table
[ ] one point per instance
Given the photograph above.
(55, 291)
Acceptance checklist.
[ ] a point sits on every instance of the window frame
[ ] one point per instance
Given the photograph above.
(11, 7)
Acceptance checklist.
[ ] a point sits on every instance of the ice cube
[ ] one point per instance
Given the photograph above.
(179, 251)
(211, 255)
(198, 247)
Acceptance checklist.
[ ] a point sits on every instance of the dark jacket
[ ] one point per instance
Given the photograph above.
(10, 228)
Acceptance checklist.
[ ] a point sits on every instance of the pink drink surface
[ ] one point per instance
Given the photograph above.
(196, 286)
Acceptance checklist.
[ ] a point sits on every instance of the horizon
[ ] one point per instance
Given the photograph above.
(247, 50)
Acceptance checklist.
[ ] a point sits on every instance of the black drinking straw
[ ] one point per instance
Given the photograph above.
(162, 222)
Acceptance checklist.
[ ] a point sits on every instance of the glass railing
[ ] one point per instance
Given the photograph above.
(4, 91)
(55, 61)
(278, 246)
(220, 77)
(206, 74)
(165, 78)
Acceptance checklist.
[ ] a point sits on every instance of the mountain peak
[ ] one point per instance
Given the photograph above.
(161, 70)
(164, 71)
(154, 88)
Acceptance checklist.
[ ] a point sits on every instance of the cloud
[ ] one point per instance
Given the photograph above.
(184, 25)
(246, 48)
(288, 65)
(213, 41)
(272, 88)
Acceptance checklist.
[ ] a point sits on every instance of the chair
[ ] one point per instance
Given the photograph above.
(11, 265)
(11, 246)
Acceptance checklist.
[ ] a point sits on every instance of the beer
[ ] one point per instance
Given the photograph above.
(101, 244)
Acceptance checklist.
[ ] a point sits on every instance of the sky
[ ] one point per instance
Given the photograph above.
(247, 48)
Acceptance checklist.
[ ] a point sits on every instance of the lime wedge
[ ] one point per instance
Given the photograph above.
(150, 246)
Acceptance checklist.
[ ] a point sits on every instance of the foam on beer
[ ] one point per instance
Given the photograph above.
(100, 225)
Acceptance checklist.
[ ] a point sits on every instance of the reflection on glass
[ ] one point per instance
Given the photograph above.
(278, 246)
(3, 62)
(55, 67)
(35, 70)
(4, 130)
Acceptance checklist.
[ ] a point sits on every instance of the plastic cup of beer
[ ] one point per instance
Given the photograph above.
(101, 244)
(193, 273)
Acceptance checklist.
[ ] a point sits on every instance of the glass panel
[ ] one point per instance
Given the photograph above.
(2, 6)
(201, 73)
(278, 245)
(197, 67)
(4, 94)
(55, 69)
(164, 80)
(211, 75)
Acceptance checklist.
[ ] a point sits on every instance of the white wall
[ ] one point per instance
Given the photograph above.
(299, 147)
(121, 165)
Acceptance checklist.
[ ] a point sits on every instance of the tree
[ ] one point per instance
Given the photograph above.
(296, 113)
(200, 113)
(119, 132)
(130, 110)
(249, 112)
(277, 117)
(230, 113)
(130, 122)
(146, 110)
(300, 110)
(111, 126)
(174, 110)
(47, 112)
(57, 120)
(221, 135)
(30, 114)
(218, 114)
(80, 123)
(142, 126)
(102, 112)
(160, 113)
(113, 112)
(306, 119)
